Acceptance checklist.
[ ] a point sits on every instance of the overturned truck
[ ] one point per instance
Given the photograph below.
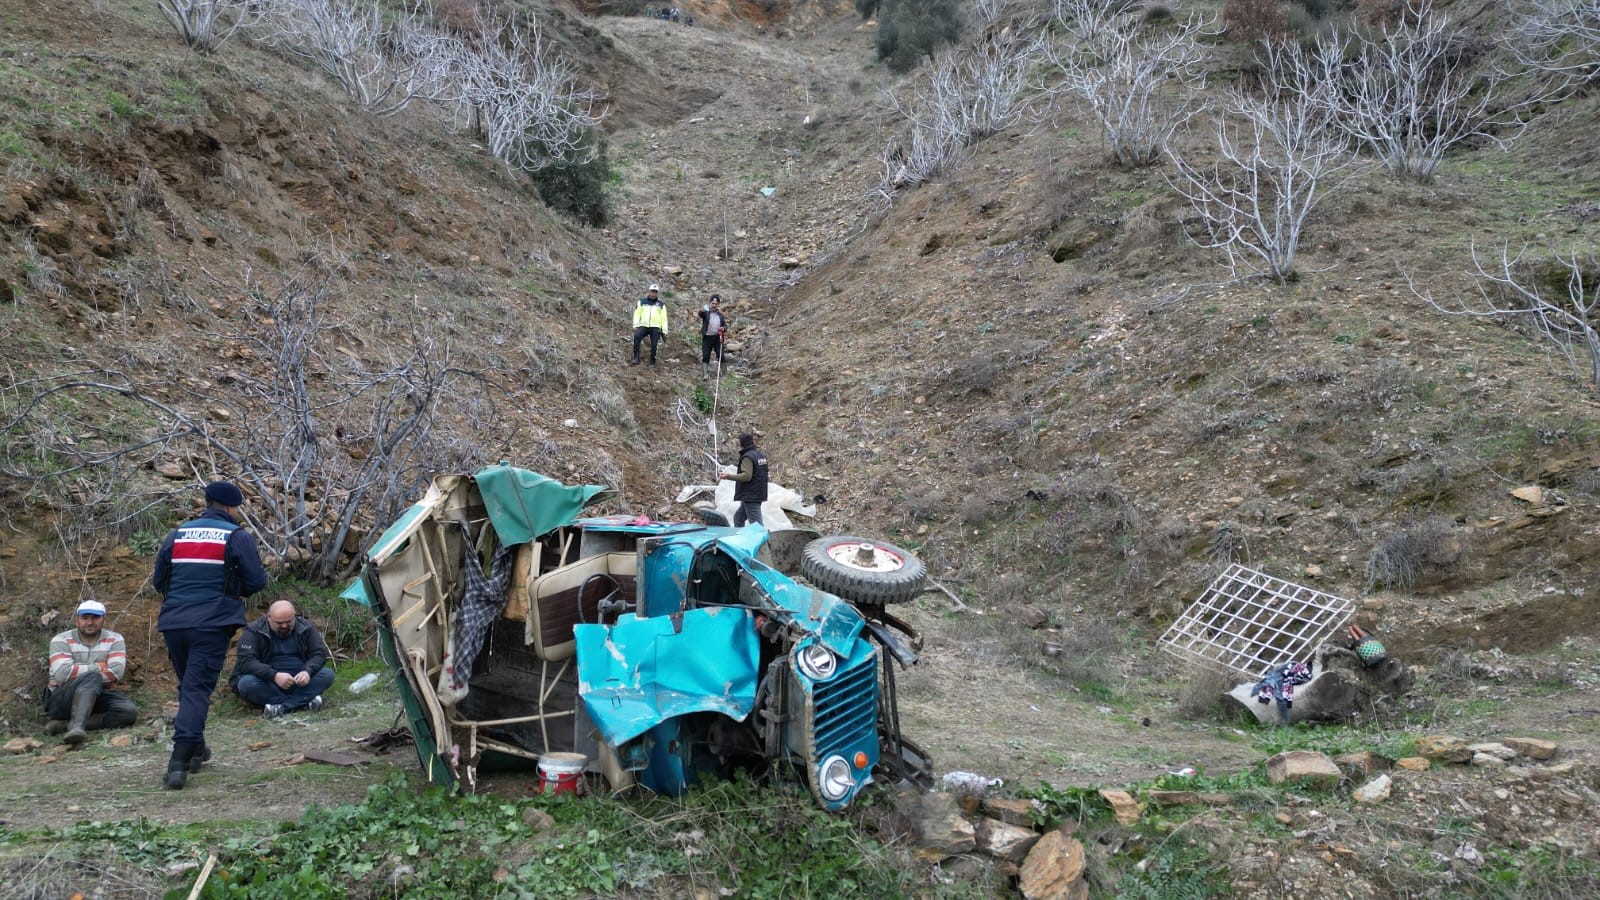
(661, 652)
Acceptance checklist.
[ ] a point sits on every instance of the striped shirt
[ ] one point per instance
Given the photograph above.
(71, 657)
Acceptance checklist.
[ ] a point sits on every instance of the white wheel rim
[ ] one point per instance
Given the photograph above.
(849, 554)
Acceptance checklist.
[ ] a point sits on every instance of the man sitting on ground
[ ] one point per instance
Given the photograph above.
(279, 665)
(85, 663)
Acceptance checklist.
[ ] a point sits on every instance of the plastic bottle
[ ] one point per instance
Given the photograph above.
(364, 682)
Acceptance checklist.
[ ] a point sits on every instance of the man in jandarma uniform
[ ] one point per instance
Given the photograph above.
(750, 482)
(204, 570)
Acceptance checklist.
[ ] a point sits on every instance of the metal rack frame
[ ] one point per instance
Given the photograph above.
(1251, 622)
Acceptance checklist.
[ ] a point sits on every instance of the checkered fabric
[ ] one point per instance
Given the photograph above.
(481, 603)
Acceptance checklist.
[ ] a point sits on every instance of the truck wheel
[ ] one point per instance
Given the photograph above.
(862, 570)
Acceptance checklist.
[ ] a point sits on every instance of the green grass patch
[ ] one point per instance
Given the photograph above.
(1174, 870)
(729, 835)
(726, 838)
(1331, 739)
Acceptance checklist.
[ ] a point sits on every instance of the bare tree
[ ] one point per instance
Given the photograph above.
(1519, 292)
(1414, 90)
(324, 443)
(1559, 37)
(1278, 156)
(360, 43)
(1140, 83)
(527, 99)
(206, 25)
(969, 94)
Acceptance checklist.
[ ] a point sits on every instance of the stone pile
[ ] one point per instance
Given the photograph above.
(1052, 863)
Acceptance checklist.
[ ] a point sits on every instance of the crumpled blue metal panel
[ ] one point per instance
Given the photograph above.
(835, 622)
(643, 671)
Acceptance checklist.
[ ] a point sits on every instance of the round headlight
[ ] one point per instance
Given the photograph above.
(816, 662)
(836, 781)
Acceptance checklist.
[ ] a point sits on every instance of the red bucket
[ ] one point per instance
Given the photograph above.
(561, 773)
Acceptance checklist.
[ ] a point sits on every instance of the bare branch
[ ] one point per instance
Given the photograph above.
(1415, 89)
(324, 444)
(1512, 290)
(1558, 37)
(969, 94)
(360, 43)
(1141, 84)
(1272, 170)
(206, 25)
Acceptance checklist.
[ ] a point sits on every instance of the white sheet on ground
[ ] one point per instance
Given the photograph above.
(774, 512)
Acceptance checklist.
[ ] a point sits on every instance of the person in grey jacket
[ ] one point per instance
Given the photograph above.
(281, 663)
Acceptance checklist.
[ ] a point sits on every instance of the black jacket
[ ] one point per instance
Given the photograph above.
(254, 656)
(750, 483)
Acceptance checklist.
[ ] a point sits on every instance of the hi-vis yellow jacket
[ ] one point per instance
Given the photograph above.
(650, 315)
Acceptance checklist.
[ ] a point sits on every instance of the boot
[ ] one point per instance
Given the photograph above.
(55, 727)
(199, 758)
(82, 705)
(96, 722)
(178, 766)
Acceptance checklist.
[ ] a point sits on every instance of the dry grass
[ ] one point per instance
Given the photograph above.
(1431, 547)
(1200, 690)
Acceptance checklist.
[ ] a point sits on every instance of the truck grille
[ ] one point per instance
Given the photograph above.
(846, 709)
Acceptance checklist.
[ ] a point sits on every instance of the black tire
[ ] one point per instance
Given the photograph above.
(711, 516)
(896, 576)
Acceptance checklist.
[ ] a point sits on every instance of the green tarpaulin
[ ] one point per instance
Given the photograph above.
(523, 505)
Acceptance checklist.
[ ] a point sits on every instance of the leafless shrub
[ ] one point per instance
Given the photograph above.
(1272, 170)
(1400, 560)
(1227, 545)
(359, 43)
(1560, 37)
(1140, 83)
(1563, 307)
(325, 445)
(1453, 672)
(1089, 647)
(1412, 91)
(206, 25)
(977, 508)
(611, 405)
(924, 502)
(969, 94)
(524, 97)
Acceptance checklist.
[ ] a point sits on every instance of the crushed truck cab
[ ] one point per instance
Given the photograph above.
(662, 652)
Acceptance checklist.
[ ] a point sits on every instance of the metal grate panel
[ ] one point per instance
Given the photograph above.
(846, 708)
(1251, 622)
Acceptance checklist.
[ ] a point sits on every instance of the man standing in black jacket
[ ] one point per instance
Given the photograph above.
(280, 663)
(750, 482)
(204, 570)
